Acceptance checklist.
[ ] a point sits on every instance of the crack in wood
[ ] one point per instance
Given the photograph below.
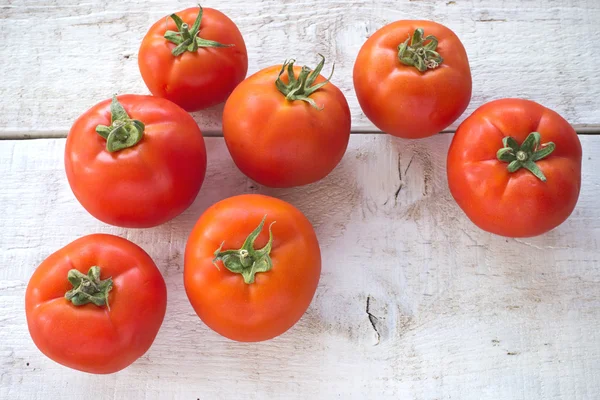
(373, 320)
(401, 185)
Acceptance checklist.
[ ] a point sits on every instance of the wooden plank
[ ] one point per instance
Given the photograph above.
(414, 301)
(62, 57)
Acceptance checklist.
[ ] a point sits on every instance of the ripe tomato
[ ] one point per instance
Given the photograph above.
(412, 78)
(96, 305)
(245, 282)
(514, 167)
(195, 58)
(135, 162)
(285, 130)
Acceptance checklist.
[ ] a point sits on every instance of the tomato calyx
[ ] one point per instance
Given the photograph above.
(302, 87)
(525, 155)
(418, 54)
(188, 39)
(123, 131)
(88, 288)
(247, 260)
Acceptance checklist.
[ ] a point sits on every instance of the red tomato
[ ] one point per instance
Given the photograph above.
(96, 305)
(139, 170)
(514, 167)
(412, 78)
(194, 59)
(252, 265)
(282, 132)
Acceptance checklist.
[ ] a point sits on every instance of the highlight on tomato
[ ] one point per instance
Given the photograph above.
(194, 57)
(135, 161)
(514, 167)
(96, 305)
(287, 126)
(412, 78)
(252, 265)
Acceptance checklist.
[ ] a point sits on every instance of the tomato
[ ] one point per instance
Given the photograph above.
(195, 58)
(285, 130)
(136, 162)
(412, 78)
(252, 265)
(514, 167)
(96, 305)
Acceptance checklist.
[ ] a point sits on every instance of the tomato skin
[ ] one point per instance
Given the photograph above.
(281, 143)
(144, 185)
(398, 98)
(514, 204)
(90, 338)
(278, 298)
(194, 80)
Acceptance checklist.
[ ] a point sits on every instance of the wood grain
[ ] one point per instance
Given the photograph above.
(414, 301)
(60, 57)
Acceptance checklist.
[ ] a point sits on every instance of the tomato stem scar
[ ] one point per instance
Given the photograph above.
(88, 288)
(302, 87)
(247, 260)
(418, 54)
(525, 155)
(188, 39)
(123, 131)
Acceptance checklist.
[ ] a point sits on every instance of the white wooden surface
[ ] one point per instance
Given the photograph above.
(457, 313)
(60, 57)
(414, 301)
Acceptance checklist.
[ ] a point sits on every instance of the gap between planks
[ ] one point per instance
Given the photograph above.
(58, 134)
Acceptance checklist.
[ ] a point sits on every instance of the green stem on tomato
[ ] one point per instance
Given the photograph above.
(123, 131)
(302, 87)
(526, 155)
(88, 288)
(247, 260)
(188, 39)
(418, 54)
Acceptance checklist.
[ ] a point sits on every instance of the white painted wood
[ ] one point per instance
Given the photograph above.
(458, 313)
(59, 57)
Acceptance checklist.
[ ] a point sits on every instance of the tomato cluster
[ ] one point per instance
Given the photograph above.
(252, 263)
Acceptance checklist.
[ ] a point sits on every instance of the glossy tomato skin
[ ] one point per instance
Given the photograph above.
(398, 98)
(514, 204)
(278, 298)
(194, 80)
(90, 338)
(144, 185)
(281, 143)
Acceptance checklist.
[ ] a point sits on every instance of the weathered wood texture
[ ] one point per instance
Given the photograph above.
(414, 301)
(60, 57)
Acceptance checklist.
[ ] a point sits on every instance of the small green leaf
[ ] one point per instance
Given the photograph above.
(196, 27)
(433, 43)
(122, 138)
(506, 154)
(178, 21)
(509, 141)
(103, 131)
(402, 48)
(210, 43)
(544, 151)
(420, 64)
(181, 48)
(174, 37)
(417, 39)
(514, 166)
(531, 143)
(117, 111)
(535, 170)
(312, 76)
(249, 242)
